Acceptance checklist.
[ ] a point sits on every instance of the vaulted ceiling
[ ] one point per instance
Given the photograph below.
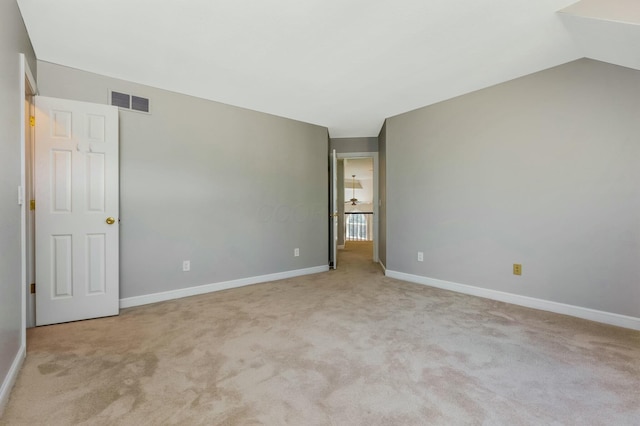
(343, 64)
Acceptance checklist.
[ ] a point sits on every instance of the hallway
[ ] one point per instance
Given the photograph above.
(357, 256)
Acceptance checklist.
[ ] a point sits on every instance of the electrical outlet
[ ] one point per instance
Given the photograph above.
(420, 256)
(296, 252)
(186, 266)
(517, 269)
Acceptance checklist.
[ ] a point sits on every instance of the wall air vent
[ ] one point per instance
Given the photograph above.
(121, 100)
(139, 104)
(129, 102)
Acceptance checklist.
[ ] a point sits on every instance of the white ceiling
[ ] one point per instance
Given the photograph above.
(627, 11)
(343, 64)
(606, 30)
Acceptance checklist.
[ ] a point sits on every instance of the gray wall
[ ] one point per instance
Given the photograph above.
(382, 195)
(13, 41)
(346, 145)
(543, 171)
(232, 190)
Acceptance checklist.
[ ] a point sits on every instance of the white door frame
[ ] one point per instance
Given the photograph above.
(333, 244)
(25, 76)
(376, 202)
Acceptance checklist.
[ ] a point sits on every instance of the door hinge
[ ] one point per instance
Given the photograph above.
(32, 288)
(32, 205)
(32, 121)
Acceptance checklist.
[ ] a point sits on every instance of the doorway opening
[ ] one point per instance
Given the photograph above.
(357, 182)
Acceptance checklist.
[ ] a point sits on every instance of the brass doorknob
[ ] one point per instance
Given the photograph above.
(110, 221)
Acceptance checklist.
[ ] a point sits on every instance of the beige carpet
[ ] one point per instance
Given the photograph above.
(347, 347)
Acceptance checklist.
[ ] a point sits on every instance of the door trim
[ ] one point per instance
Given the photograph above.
(26, 77)
(333, 210)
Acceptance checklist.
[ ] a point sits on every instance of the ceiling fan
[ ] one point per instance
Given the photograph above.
(354, 201)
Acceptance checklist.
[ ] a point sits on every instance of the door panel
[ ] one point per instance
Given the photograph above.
(96, 263)
(76, 174)
(96, 182)
(60, 179)
(61, 261)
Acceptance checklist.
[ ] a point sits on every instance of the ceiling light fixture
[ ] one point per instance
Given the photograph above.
(354, 200)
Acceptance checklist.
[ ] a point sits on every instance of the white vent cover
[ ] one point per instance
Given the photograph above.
(121, 100)
(130, 102)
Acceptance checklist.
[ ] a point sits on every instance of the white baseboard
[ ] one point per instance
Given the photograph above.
(11, 377)
(384, 268)
(208, 288)
(341, 247)
(529, 302)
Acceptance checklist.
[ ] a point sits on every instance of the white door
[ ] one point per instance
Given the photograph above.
(76, 174)
(334, 210)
